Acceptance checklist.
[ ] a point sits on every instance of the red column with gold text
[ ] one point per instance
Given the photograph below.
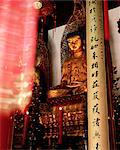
(18, 32)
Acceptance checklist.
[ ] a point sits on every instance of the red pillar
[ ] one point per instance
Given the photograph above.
(109, 78)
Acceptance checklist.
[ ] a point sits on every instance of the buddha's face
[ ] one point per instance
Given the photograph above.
(74, 43)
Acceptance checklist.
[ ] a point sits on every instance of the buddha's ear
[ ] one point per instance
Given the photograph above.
(68, 39)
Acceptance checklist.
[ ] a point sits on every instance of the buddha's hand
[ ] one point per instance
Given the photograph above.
(82, 88)
(75, 84)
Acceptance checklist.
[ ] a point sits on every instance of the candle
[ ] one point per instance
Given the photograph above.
(26, 121)
(60, 125)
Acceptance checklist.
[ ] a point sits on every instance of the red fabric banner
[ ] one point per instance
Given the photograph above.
(18, 22)
(18, 34)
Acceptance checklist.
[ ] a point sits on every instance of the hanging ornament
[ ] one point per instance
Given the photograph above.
(38, 4)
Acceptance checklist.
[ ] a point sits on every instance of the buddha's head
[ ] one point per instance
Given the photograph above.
(74, 43)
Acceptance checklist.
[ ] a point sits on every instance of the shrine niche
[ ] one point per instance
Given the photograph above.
(69, 99)
(74, 67)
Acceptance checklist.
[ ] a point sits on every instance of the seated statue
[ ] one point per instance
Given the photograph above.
(74, 70)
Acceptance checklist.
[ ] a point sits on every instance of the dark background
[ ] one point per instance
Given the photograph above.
(64, 9)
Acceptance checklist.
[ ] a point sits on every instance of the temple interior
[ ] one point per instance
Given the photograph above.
(57, 115)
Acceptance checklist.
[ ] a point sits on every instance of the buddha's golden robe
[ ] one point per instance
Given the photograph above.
(74, 71)
(74, 78)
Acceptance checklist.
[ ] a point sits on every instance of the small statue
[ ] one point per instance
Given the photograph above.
(74, 70)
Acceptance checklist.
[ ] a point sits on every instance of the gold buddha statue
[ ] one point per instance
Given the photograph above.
(74, 70)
